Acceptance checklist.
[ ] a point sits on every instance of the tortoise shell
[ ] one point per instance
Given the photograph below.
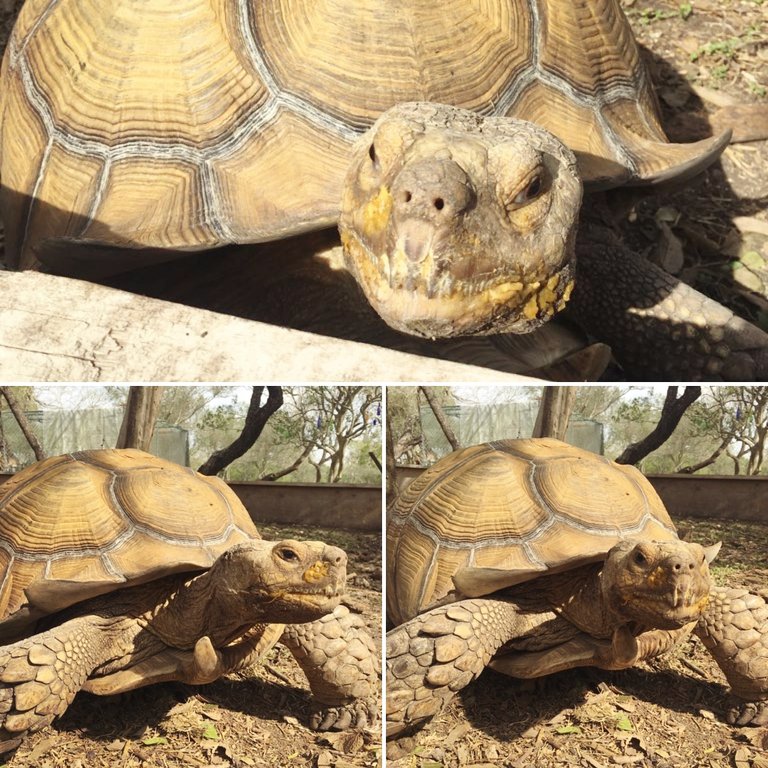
(505, 512)
(83, 524)
(186, 126)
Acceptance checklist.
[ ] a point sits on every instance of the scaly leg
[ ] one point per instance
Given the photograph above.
(734, 628)
(339, 658)
(621, 652)
(658, 327)
(436, 654)
(40, 675)
(202, 664)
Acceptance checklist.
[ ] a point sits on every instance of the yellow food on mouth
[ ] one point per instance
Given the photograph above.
(376, 212)
(316, 572)
(464, 311)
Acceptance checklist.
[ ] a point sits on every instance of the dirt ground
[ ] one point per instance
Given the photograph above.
(255, 719)
(668, 714)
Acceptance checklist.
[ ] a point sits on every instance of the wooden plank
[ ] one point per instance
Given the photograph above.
(60, 329)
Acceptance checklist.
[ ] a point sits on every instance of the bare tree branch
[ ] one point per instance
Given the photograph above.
(255, 421)
(671, 413)
(331, 418)
(293, 467)
(442, 419)
(23, 422)
(711, 459)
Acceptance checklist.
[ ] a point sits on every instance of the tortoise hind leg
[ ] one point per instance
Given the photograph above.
(339, 658)
(658, 327)
(734, 628)
(40, 675)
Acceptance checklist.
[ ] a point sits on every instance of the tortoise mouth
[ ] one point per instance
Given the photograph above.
(297, 605)
(304, 591)
(447, 306)
(669, 610)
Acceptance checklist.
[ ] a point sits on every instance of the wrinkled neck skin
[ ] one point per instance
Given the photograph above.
(196, 608)
(577, 596)
(203, 606)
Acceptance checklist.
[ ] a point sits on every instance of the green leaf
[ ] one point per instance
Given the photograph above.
(686, 9)
(753, 260)
(565, 729)
(210, 732)
(624, 723)
(154, 740)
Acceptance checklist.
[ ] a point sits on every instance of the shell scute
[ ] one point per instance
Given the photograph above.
(240, 117)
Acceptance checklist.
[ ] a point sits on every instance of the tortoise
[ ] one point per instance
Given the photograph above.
(532, 556)
(131, 136)
(121, 569)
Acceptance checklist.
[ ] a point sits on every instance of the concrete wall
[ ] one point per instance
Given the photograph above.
(725, 497)
(331, 505)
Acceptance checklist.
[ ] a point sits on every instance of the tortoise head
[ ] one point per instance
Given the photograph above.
(457, 224)
(658, 584)
(288, 581)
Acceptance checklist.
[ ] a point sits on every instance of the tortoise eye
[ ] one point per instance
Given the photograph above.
(288, 555)
(640, 558)
(374, 157)
(531, 192)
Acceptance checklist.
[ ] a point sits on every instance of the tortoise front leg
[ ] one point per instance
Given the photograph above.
(658, 327)
(339, 658)
(436, 654)
(734, 628)
(621, 652)
(202, 664)
(40, 675)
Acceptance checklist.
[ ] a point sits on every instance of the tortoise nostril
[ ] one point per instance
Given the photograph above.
(336, 556)
(439, 203)
(407, 196)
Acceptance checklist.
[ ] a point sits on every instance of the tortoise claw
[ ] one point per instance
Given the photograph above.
(357, 715)
(741, 712)
(8, 741)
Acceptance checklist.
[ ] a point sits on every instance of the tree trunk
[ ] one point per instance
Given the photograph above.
(23, 422)
(442, 419)
(554, 412)
(139, 418)
(390, 460)
(255, 421)
(671, 413)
